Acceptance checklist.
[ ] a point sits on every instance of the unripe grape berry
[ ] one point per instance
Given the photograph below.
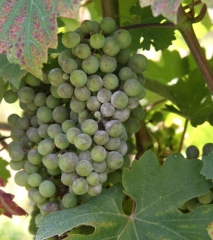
(97, 40)
(84, 168)
(80, 186)
(47, 188)
(70, 39)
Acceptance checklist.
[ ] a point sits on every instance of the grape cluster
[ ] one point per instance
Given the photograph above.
(77, 118)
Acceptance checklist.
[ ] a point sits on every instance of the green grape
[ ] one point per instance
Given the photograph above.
(48, 207)
(17, 134)
(66, 76)
(78, 78)
(50, 161)
(16, 165)
(107, 109)
(34, 157)
(64, 55)
(67, 161)
(71, 39)
(114, 160)
(23, 123)
(61, 141)
(192, 152)
(141, 78)
(45, 76)
(123, 56)
(99, 167)
(93, 178)
(125, 73)
(110, 81)
(60, 114)
(45, 146)
(54, 93)
(97, 41)
(108, 64)
(123, 135)
(32, 134)
(111, 46)
(113, 143)
(90, 64)
(69, 200)
(42, 130)
(55, 77)
(94, 83)
(26, 143)
(96, 27)
(123, 37)
(30, 168)
(101, 137)
(83, 168)
(34, 121)
(132, 87)
(119, 99)
(32, 80)
(142, 93)
(34, 179)
(134, 76)
(12, 119)
(26, 94)
(138, 113)
(93, 104)
(138, 63)
(47, 188)
(97, 115)
(83, 141)
(207, 148)
(206, 198)
(10, 96)
(21, 178)
(74, 116)
(87, 26)
(103, 177)
(38, 198)
(85, 155)
(53, 130)
(52, 102)
(67, 124)
(82, 51)
(65, 90)
(133, 102)
(16, 153)
(80, 186)
(191, 204)
(76, 105)
(82, 93)
(123, 148)
(183, 207)
(114, 128)
(67, 178)
(95, 190)
(72, 133)
(44, 114)
(69, 65)
(132, 125)
(38, 218)
(107, 25)
(31, 191)
(40, 99)
(98, 153)
(89, 127)
(104, 95)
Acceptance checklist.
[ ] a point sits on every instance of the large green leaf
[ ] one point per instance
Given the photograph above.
(29, 28)
(10, 72)
(4, 173)
(158, 191)
(159, 37)
(207, 169)
(168, 8)
(3, 88)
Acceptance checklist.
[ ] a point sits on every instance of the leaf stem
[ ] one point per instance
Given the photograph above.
(149, 107)
(5, 126)
(183, 135)
(149, 25)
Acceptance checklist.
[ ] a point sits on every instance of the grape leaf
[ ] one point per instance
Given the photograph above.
(168, 8)
(8, 207)
(158, 192)
(4, 173)
(3, 87)
(29, 28)
(207, 169)
(159, 37)
(10, 72)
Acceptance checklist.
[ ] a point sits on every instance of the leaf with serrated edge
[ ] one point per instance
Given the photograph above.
(168, 8)
(4, 173)
(207, 169)
(10, 72)
(28, 28)
(158, 192)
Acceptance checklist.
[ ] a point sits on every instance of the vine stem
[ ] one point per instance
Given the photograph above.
(183, 135)
(149, 25)
(5, 127)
